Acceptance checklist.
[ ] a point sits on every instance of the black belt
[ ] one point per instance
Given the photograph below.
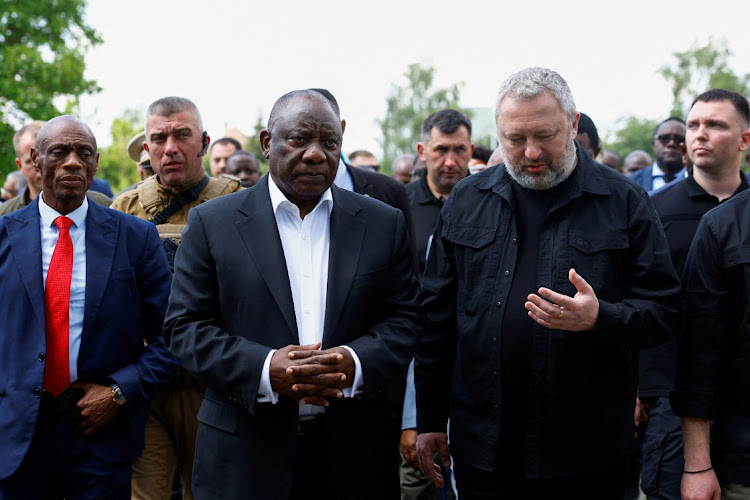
(63, 403)
(311, 424)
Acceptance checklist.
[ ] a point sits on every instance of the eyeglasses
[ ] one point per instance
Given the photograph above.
(665, 138)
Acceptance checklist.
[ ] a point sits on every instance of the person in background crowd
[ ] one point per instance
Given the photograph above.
(713, 361)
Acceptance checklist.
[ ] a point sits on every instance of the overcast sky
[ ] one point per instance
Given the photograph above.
(234, 59)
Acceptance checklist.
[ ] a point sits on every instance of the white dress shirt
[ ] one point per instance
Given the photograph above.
(657, 176)
(343, 178)
(77, 231)
(306, 244)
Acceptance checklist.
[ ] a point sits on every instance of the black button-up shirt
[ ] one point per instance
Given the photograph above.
(680, 207)
(713, 364)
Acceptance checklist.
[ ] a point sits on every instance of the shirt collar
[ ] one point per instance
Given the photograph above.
(656, 171)
(48, 214)
(343, 178)
(279, 200)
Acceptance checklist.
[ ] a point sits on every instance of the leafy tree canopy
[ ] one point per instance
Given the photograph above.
(407, 108)
(42, 49)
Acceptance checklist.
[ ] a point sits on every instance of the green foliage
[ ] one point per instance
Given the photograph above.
(634, 133)
(700, 68)
(253, 143)
(407, 108)
(42, 48)
(115, 165)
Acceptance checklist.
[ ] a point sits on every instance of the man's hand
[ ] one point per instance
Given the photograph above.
(408, 447)
(427, 445)
(700, 486)
(322, 373)
(311, 375)
(640, 415)
(95, 408)
(561, 312)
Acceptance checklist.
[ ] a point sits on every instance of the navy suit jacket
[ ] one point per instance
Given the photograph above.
(231, 304)
(127, 288)
(644, 177)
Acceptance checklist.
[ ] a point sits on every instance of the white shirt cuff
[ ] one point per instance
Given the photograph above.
(265, 392)
(359, 382)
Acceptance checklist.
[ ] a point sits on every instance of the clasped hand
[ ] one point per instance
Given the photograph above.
(311, 375)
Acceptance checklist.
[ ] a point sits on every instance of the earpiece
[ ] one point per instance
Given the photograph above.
(205, 144)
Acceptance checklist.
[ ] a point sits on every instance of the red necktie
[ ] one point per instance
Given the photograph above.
(57, 310)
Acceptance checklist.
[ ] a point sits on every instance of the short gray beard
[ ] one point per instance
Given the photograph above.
(554, 175)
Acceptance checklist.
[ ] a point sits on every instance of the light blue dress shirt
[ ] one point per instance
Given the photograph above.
(49, 234)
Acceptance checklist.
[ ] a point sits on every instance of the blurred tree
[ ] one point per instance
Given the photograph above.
(42, 49)
(634, 133)
(114, 163)
(407, 108)
(700, 68)
(253, 143)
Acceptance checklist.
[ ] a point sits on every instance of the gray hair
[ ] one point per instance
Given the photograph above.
(170, 105)
(531, 82)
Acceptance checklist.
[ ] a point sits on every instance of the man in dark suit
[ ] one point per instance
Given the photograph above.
(84, 292)
(668, 163)
(319, 265)
(369, 183)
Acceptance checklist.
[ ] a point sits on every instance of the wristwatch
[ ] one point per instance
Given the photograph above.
(117, 395)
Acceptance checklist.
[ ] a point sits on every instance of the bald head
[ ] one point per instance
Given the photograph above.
(53, 127)
(636, 160)
(284, 101)
(402, 167)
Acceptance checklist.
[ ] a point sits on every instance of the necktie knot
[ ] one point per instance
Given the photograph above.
(63, 222)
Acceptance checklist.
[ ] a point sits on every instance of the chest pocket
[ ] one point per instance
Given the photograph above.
(476, 260)
(599, 257)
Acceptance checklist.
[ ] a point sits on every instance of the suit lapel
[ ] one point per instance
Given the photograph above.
(101, 241)
(257, 227)
(26, 246)
(360, 183)
(347, 234)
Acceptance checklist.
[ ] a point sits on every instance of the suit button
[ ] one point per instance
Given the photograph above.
(507, 273)
(37, 393)
(41, 356)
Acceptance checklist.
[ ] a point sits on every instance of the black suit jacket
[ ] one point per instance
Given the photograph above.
(231, 303)
(389, 191)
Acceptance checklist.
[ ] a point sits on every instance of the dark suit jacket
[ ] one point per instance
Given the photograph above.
(231, 304)
(389, 191)
(127, 286)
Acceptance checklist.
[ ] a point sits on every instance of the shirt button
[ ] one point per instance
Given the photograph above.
(494, 340)
(494, 374)
(304, 236)
(307, 275)
(41, 356)
(37, 393)
(514, 240)
(507, 273)
(499, 304)
(494, 407)
(307, 311)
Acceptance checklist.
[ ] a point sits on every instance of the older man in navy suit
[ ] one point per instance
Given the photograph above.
(81, 355)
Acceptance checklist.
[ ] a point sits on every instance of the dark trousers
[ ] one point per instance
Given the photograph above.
(663, 460)
(604, 484)
(312, 473)
(59, 464)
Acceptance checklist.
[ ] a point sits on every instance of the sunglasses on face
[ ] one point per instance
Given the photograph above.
(665, 138)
